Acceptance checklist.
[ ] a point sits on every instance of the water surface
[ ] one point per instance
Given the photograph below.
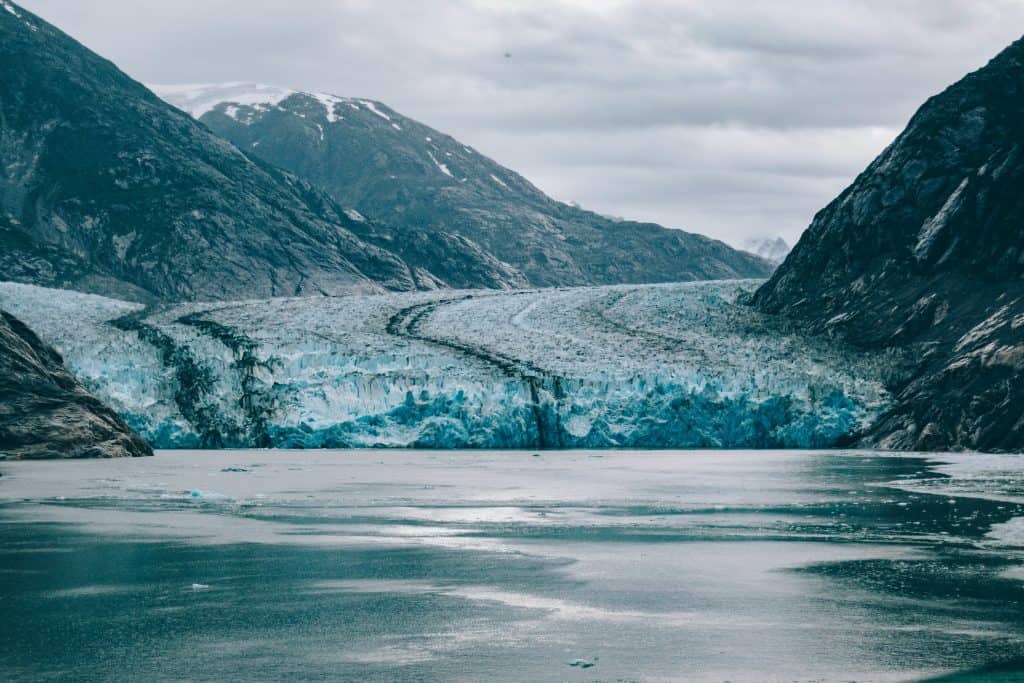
(385, 565)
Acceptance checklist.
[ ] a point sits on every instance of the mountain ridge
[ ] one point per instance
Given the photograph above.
(924, 252)
(414, 179)
(103, 182)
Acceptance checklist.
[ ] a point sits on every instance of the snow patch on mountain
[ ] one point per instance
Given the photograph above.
(373, 108)
(199, 98)
(442, 167)
(773, 249)
(330, 102)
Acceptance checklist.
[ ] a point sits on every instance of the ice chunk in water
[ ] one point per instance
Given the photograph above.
(206, 495)
(583, 663)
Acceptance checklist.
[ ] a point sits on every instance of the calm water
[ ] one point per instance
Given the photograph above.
(439, 566)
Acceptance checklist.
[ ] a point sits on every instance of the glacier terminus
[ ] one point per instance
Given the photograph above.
(684, 365)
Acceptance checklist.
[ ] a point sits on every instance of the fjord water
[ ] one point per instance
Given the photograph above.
(439, 565)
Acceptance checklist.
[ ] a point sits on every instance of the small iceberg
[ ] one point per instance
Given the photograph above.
(206, 495)
(583, 663)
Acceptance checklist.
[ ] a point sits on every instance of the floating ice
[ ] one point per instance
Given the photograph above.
(206, 495)
(583, 663)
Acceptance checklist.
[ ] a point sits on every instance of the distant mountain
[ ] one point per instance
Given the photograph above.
(45, 412)
(924, 252)
(424, 187)
(105, 187)
(771, 249)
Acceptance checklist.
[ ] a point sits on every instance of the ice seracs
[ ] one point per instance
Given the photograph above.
(659, 366)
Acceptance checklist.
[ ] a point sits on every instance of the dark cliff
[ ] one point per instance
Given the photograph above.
(105, 187)
(924, 252)
(45, 412)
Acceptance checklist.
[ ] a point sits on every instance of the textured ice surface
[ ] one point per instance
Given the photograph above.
(659, 366)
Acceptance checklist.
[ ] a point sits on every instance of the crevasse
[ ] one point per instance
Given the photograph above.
(653, 366)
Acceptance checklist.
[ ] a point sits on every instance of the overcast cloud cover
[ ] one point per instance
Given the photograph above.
(733, 118)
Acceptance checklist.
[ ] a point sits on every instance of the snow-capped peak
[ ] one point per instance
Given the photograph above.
(329, 102)
(199, 98)
(372, 107)
(773, 249)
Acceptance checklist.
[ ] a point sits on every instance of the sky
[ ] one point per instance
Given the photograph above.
(732, 118)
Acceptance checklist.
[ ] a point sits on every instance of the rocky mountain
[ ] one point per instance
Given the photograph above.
(771, 249)
(430, 191)
(45, 412)
(105, 187)
(924, 252)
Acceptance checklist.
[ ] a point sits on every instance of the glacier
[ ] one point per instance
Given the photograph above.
(684, 365)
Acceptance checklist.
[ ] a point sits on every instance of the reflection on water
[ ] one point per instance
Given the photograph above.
(740, 566)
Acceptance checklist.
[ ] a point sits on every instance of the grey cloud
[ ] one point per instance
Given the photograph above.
(728, 117)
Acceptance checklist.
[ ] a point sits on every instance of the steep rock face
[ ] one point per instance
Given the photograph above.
(425, 183)
(105, 187)
(440, 258)
(45, 412)
(925, 251)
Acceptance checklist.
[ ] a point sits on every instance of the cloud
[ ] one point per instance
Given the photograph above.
(728, 117)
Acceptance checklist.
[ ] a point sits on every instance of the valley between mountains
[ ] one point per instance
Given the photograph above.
(247, 265)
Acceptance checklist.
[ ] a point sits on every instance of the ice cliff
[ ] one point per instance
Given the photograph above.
(646, 366)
